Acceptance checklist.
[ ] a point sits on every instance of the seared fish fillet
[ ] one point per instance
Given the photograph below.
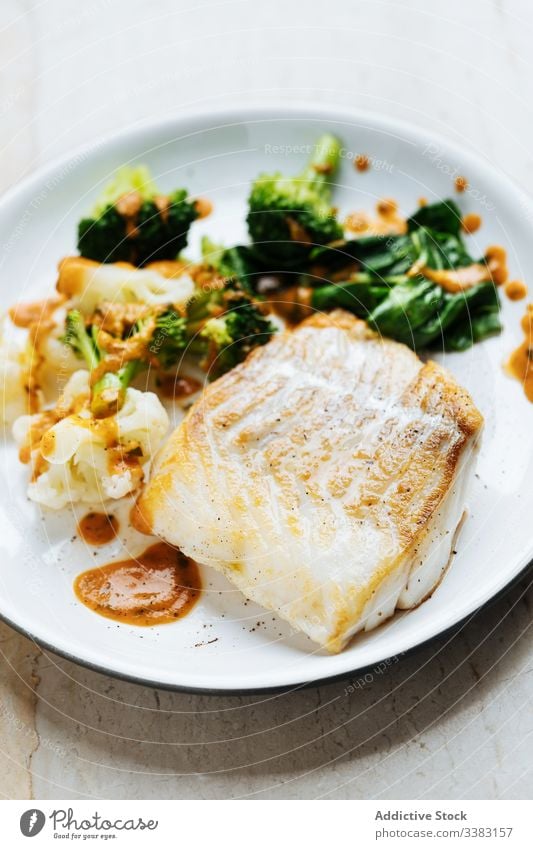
(324, 476)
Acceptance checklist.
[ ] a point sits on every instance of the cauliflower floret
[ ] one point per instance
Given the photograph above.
(16, 392)
(86, 284)
(55, 362)
(80, 458)
(49, 361)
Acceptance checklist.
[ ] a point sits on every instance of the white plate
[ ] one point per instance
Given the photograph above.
(226, 644)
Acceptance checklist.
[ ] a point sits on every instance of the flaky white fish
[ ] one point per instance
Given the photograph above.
(324, 476)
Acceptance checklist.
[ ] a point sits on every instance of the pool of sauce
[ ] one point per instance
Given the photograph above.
(98, 528)
(155, 588)
(171, 386)
(520, 363)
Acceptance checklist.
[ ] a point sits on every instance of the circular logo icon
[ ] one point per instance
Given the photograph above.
(32, 822)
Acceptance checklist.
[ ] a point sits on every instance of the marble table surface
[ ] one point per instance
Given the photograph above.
(451, 721)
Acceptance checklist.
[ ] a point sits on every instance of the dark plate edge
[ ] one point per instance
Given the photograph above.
(279, 690)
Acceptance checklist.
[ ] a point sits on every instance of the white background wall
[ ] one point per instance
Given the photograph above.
(454, 720)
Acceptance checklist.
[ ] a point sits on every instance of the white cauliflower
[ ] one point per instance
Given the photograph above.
(80, 458)
(55, 362)
(46, 361)
(87, 284)
(17, 394)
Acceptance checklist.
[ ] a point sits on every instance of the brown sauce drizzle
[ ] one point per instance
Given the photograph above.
(471, 222)
(386, 207)
(515, 290)
(72, 271)
(38, 428)
(171, 386)
(297, 233)
(203, 207)
(98, 528)
(140, 518)
(35, 312)
(387, 220)
(453, 280)
(157, 587)
(520, 363)
(292, 304)
(129, 207)
(456, 279)
(162, 203)
(168, 267)
(362, 162)
(496, 259)
(130, 204)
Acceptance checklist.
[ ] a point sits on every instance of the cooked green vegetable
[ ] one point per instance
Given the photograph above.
(166, 344)
(444, 217)
(289, 215)
(109, 391)
(386, 255)
(238, 262)
(360, 295)
(422, 315)
(221, 326)
(412, 309)
(134, 223)
(77, 338)
(169, 338)
(224, 325)
(417, 311)
(294, 231)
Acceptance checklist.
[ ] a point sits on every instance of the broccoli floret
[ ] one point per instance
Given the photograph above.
(221, 327)
(109, 391)
(132, 222)
(125, 180)
(238, 262)
(232, 336)
(288, 216)
(164, 347)
(169, 339)
(224, 325)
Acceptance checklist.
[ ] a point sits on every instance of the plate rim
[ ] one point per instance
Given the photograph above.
(281, 688)
(233, 114)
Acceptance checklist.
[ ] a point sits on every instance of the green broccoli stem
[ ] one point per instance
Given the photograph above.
(109, 392)
(323, 163)
(78, 339)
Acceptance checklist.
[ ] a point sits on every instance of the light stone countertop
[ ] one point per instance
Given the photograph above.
(451, 721)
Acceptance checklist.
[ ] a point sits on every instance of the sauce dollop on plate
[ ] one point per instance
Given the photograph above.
(520, 364)
(157, 587)
(98, 528)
